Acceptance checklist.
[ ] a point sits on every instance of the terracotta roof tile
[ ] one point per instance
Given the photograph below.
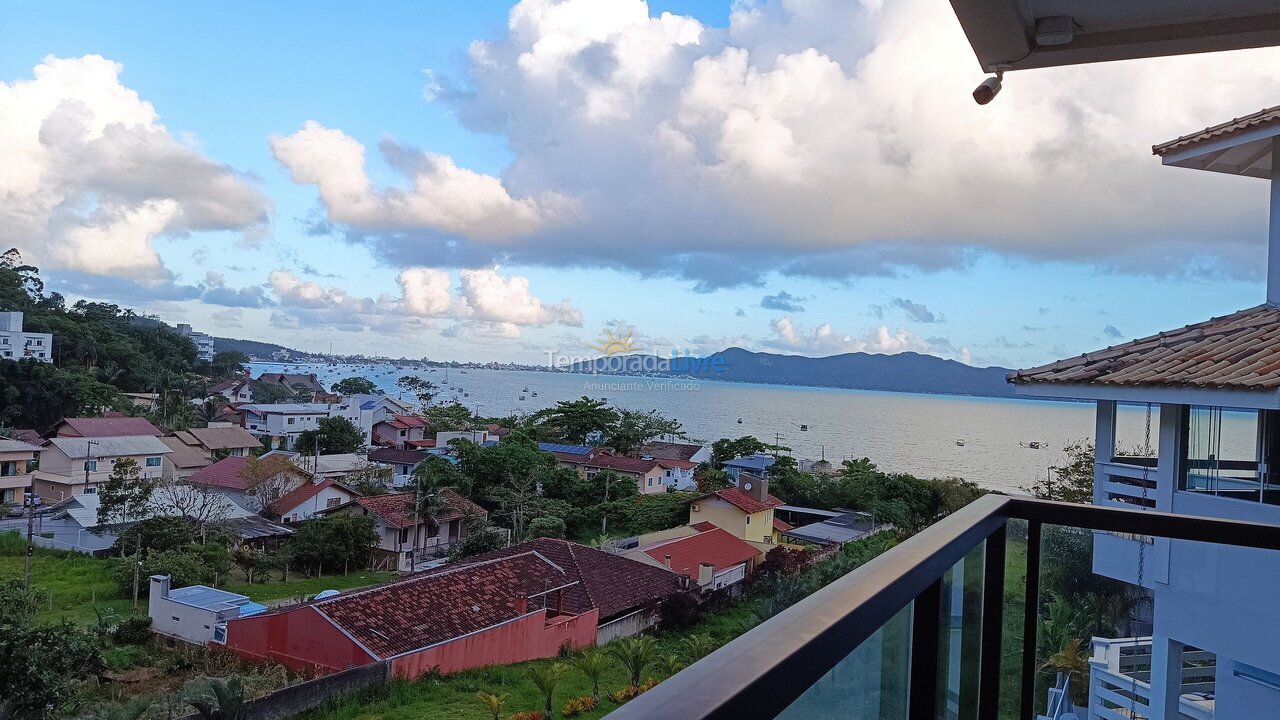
(670, 450)
(1267, 116)
(716, 546)
(782, 526)
(107, 427)
(226, 473)
(745, 502)
(611, 583)
(1238, 351)
(304, 493)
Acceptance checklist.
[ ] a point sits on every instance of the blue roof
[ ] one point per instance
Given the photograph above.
(567, 449)
(252, 608)
(202, 596)
(488, 443)
(751, 462)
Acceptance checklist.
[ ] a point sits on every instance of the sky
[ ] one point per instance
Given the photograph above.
(488, 181)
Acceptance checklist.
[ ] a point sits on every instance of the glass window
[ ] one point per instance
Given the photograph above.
(1230, 453)
(404, 536)
(332, 502)
(153, 462)
(91, 465)
(290, 421)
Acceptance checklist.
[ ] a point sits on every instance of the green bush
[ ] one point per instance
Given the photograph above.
(134, 630)
(551, 527)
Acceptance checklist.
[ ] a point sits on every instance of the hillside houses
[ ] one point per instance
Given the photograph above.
(76, 465)
(407, 538)
(16, 461)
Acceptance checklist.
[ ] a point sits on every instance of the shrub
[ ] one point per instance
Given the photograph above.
(680, 611)
(134, 630)
(579, 705)
(526, 715)
(629, 692)
(547, 526)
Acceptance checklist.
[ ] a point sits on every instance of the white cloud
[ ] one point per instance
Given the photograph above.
(443, 196)
(90, 177)
(824, 340)
(693, 150)
(486, 305)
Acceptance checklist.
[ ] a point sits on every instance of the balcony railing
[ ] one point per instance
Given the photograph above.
(917, 633)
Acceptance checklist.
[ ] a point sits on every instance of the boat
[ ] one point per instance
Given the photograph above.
(521, 397)
(739, 421)
(1034, 444)
(804, 428)
(525, 390)
(535, 394)
(960, 443)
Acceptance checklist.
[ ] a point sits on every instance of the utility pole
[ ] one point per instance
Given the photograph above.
(604, 512)
(31, 501)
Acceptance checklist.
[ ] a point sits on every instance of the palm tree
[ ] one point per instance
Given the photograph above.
(698, 647)
(1072, 660)
(546, 678)
(670, 664)
(220, 699)
(635, 654)
(493, 703)
(592, 662)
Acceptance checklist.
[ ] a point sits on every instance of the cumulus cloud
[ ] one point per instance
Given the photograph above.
(825, 340)
(486, 304)
(216, 292)
(1112, 332)
(92, 177)
(442, 197)
(692, 150)
(917, 311)
(783, 301)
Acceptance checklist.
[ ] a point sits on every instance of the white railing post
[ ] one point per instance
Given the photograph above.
(1166, 678)
(1104, 447)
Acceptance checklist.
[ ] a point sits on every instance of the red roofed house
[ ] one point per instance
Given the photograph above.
(459, 616)
(746, 510)
(107, 426)
(400, 431)
(403, 535)
(651, 475)
(307, 500)
(232, 476)
(511, 605)
(712, 557)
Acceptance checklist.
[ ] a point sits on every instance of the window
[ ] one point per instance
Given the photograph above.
(90, 491)
(290, 421)
(650, 482)
(333, 502)
(153, 462)
(1231, 453)
(404, 536)
(91, 465)
(748, 519)
(8, 468)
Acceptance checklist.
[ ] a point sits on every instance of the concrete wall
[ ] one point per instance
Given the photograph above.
(526, 638)
(301, 639)
(626, 626)
(185, 622)
(297, 699)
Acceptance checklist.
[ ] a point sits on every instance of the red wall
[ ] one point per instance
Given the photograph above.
(528, 638)
(300, 639)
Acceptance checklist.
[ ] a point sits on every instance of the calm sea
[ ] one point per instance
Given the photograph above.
(902, 432)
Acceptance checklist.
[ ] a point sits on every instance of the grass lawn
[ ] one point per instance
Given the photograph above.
(454, 697)
(78, 583)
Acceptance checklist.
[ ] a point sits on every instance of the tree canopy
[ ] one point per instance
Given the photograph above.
(332, 435)
(355, 386)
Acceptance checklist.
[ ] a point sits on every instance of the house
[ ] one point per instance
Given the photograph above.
(16, 460)
(650, 475)
(406, 540)
(232, 475)
(628, 594)
(400, 431)
(687, 452)
(193, 614)
(1210, 391)
(400, 462)
(115, 425)
(479, 437)
(365, 411)
(459, 616)
(757, 465)
(72, 524)
(291, 381)
(184, 460)
(305, 501)
(18, 344)
(74, 465)
(713, 558)
(203, 342)
(282, 423)
(220, 439)
(335, 466)
(745, 511)
(838, 530)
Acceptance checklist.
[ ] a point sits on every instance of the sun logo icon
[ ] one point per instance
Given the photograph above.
(612, 344)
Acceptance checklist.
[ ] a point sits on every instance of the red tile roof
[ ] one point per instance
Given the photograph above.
(1238, 351)
(224, 438)
(704, 526)
(304, 493)
(612, 583)
(618, 463)
(671, 451)
(106, 427)
(781, 526)
(424, 443)
(396, 456)
(716, 546)
(404, 422)
(396, 509)
(745, 502)
(226, 473)
(1264, 117)
(440, 605)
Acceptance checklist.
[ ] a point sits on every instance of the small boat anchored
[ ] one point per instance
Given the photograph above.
(1034, 445)
(960, 443)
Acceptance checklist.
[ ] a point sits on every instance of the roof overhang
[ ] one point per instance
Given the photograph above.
(1002, 32)
(1246, 153)
(1172, 395)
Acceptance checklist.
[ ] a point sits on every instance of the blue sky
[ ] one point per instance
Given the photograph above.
(797, 177)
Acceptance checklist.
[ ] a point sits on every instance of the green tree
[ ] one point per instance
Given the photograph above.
(125, 494)
(592, 662)
(333, 435)
(424, 390)
(546, 678)
(724, 450)
(552, 527)
(481, 537)
(42, 665)
(154, 533)
(341, 540)
(355, 386)
(635, 653)
(228, 363)
(574, 421)
(218, 698)
(1072, 480)
(634, 429)
(269, 393)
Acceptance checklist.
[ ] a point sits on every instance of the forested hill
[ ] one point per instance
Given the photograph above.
(903, 372)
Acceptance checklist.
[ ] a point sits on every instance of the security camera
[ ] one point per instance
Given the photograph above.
(987, 91)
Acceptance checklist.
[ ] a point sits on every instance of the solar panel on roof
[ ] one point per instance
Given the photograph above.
(568, 449)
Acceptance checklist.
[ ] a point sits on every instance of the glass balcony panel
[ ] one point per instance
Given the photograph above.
(870, 683)
(960, 641)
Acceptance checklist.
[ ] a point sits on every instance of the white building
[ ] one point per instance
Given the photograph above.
(195, 614)
(1211, 392)
(283, 422)
(204, 343)
(16, 344)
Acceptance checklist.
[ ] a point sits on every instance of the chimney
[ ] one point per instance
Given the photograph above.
(666, 560)
(522, 604)
(159, 589)
(706, 574)
(755, 486)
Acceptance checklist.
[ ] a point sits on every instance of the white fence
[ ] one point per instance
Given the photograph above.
(626, 626)
(1119, 680)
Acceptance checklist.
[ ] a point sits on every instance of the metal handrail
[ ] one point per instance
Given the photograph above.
(763, 671)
